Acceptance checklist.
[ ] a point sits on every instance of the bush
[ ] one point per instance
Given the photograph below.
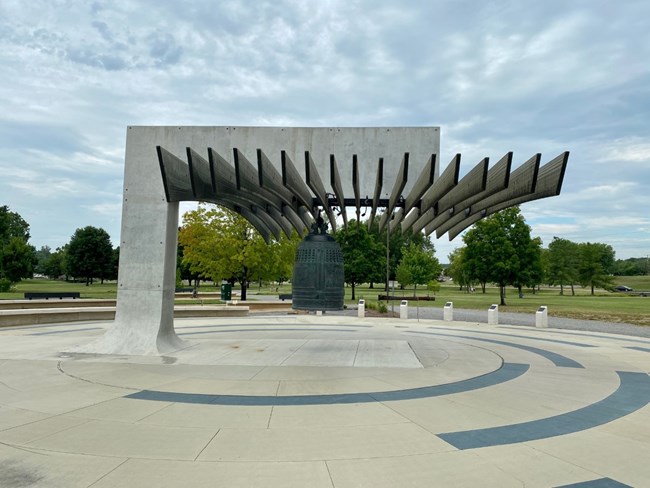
(382, 307)
(5, 285)
(371, 305)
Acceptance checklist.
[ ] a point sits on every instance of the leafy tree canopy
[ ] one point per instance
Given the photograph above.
(562, 263)
(363, 257)
(220, 244)
(500, 250)
(596, 262)
(17, 257)
(90, 254)
(418, 267)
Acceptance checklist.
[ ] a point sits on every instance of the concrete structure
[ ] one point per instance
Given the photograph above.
(404, 309)
(448, 312)
(327, 402)
(541, 317)
(361, 311)
(493, 315)
(279, 179)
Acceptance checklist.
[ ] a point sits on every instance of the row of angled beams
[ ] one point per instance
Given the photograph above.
(277, 203)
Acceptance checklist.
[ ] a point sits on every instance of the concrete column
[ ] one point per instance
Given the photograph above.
(361, 311)
(493, 315)
(144, 319)
(404, 310)
(541, 317)
(448, 312)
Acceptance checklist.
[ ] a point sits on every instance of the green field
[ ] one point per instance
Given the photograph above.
(607, 306)
(96, 290)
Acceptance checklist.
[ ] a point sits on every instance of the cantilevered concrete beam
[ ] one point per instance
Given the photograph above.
(396, 193)
(376, 195)
(472, 183)
(335, 180)
(316, 184)
(522, 182)
(497, 180)
(428, 208)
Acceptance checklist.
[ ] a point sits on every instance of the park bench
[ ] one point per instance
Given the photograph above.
(392, 297)
(285, 296)
(51, 294)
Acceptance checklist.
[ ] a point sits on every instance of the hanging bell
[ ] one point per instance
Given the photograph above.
(318, 277)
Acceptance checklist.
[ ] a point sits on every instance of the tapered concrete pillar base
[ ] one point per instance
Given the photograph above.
(130, 340)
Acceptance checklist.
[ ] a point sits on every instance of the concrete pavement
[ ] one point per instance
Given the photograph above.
(331, 401)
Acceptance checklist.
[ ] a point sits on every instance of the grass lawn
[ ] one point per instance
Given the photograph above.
(96, 290)
(607, 306)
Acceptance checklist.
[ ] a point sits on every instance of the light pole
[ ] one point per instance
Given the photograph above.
(387, 261)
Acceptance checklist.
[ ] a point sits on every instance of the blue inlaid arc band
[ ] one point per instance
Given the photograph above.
(599, 483)
(507, 372)
(632, 394)
(555, 358)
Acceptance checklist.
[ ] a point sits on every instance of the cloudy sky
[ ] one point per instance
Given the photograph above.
(496, 76)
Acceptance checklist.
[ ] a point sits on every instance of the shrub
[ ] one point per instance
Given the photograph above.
(5, 285)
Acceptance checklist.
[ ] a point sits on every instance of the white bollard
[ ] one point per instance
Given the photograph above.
(319, 312)
(541, 317)
(448, 312)
(404, 310)
(361, 311)
(493, 315)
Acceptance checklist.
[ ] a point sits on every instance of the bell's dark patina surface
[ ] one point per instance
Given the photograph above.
(318, 272)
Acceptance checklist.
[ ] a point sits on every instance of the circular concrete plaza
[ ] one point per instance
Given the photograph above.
(326, 401)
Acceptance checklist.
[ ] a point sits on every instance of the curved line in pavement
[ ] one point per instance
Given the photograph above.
(532, 338)
(507, 372)
(632, 394)
(301, 329)
(555, 358)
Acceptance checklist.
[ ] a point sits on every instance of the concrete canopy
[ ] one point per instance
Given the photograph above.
(279, 178)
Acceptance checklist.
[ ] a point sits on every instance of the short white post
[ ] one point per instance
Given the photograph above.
(448, 312)
(404, 310)
(361, 311)
(541, 317)
(319, 312)
(493, 315)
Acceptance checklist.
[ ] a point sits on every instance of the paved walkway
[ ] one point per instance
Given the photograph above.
(330, 401)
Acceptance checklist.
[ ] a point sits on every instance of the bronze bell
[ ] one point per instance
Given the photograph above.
(318, 272)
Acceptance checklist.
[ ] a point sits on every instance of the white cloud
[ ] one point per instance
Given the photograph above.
(535, 77)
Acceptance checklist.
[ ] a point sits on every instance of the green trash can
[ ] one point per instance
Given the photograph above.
(226, 291)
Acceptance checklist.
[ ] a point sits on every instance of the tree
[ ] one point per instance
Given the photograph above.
(90, 254)
(362, 255)
(12, 225)
(458, 269)
(55, 265)
(596, 261)
(418, 267)
(500, 250)
(563, 261)
(397, 242)
(531, 271)
(42, 255)
(631, 267)
(17, 257)
(282, 255)
(17, 260)
(220, 244)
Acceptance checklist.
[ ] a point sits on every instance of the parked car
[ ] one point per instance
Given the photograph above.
(623, 288)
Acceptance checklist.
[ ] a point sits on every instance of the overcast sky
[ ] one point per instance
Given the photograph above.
(497, 76)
